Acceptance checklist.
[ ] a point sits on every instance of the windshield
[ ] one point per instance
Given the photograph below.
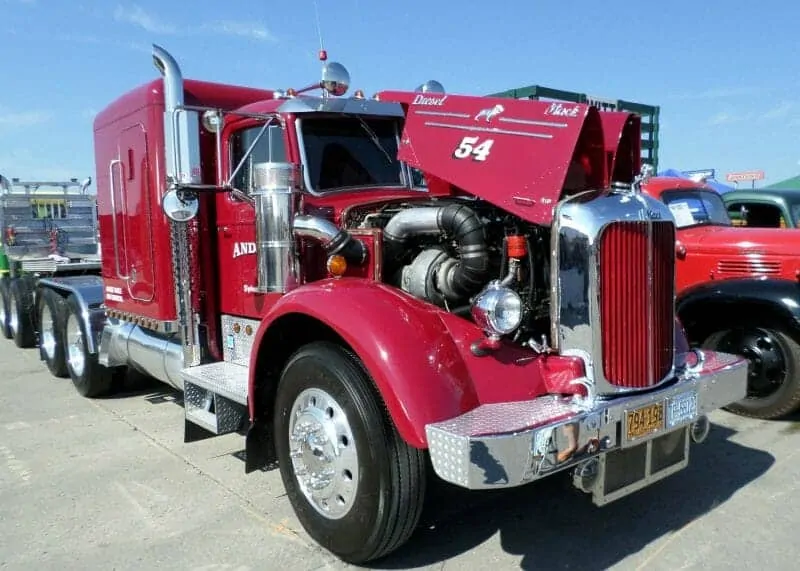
(351, 151)
(696, 207)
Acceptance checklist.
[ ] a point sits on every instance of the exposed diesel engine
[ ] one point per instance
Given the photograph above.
(447, 251)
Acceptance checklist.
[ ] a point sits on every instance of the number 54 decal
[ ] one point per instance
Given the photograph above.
(469, 147)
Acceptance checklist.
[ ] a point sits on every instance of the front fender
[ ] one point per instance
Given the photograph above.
(719, 300)
(417, 354)
(401, 342)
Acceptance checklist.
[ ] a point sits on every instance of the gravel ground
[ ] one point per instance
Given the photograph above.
(110, 484)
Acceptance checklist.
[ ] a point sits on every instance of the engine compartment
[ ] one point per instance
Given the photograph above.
(446, 251)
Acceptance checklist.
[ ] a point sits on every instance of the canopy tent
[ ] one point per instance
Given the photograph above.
(716, 185)
(788, 184)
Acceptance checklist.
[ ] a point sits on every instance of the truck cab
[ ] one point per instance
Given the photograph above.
(764, 208)
(275, 256)
(738, 291)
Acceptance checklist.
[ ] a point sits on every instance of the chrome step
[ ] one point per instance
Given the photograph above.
(225, 379)
(214, 397)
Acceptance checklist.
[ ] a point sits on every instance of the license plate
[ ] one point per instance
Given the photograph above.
(644, 421)
(681, 409)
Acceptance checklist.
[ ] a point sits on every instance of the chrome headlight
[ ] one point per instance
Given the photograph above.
(497, 309)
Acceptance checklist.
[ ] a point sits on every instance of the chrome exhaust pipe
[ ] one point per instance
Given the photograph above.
(699, 429)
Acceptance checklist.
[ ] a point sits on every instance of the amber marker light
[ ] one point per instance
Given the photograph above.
(337, 265)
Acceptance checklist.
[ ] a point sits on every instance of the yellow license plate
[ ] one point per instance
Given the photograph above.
(645, 420)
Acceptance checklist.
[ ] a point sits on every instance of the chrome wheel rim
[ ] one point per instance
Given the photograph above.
(323, 453)
(3, 312)
(13, 313)
(47, 332)
(74, 342)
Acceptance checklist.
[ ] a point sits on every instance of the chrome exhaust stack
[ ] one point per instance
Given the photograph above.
(181, 127)
(182, 154)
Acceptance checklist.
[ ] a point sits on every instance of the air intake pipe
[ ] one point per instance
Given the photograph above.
(334, 240)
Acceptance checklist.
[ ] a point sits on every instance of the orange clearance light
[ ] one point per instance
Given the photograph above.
(516, 246)
(291, 92)
(337, 265)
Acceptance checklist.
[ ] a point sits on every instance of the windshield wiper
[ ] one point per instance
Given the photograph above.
(374, 138)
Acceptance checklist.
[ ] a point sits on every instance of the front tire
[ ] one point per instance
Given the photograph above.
(773, 386)
(356, 486)
(90, 378)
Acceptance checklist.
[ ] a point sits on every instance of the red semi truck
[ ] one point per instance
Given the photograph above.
(271, 255)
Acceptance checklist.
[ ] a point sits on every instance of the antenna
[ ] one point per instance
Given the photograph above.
(323, 55)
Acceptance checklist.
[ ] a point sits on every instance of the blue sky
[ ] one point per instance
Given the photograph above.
(725, 73)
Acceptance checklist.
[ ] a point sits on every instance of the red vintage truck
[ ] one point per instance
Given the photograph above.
(273, 255)
(738, 292)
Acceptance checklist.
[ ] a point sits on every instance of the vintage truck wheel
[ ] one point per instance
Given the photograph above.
(356, 486)
(20, 312)
(89, 377)
(5, 330)
(52, 309)
(773, 387)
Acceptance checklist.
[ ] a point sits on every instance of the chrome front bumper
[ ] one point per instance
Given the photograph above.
(510, 444)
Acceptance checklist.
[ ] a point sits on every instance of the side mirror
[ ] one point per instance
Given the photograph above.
(180, 206)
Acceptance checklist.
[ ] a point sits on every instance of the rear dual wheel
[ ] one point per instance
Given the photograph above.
(5, 329)
(21, 312)
(52, 312)
(90, 378)
(356, 486)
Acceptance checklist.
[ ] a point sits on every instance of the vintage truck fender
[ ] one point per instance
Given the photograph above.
(702, 306)
(417, 355)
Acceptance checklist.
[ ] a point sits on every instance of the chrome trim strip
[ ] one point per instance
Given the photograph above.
(532, 122)
(112, 187)
(489, 130)
(157, 325)
(453, 114)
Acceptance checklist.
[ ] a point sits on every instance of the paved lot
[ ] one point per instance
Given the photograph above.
(109, 484)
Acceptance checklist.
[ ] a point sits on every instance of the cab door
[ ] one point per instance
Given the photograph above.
(236, 232)
(132, 219)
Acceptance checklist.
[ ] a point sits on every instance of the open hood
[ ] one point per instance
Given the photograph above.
(516, 154)
(623, 144)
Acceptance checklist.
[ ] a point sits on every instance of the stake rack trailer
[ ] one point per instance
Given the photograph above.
(48, 229)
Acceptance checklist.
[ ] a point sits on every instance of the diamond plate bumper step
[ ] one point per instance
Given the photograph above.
(215, 398)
